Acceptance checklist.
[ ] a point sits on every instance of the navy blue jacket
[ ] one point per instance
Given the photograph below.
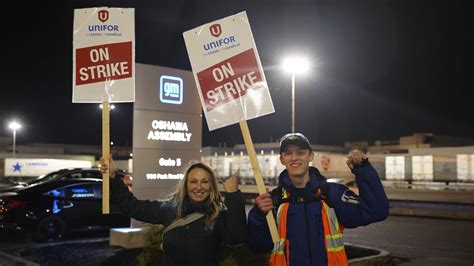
(305, 230)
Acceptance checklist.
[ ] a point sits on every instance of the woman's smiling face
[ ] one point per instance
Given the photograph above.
(198, 184)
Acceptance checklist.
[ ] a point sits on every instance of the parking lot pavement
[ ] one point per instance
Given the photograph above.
(95, 249)
(74, 251)
(11, 243)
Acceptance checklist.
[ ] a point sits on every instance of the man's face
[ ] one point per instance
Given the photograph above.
(296, 160)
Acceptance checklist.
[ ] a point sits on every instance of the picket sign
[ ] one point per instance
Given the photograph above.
(231, 82)
(104, 66)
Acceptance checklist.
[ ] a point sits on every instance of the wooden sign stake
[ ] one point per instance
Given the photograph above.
(105, 154)
(258, 176)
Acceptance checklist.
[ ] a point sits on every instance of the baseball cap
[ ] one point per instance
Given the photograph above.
(297, 139)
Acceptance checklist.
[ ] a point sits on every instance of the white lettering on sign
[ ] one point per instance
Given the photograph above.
(169, 136)
(169, 125)
(104, 71)
(97, 55)
(172, 90)
(223, 72)
(169, 162)
(231, 89)
(157, 176)
(169, 131)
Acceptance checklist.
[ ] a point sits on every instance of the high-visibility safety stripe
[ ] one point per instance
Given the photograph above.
(334, 238)
(335, 243)
(279, 214)
(278, 257)
(334, 225)
(279, 246)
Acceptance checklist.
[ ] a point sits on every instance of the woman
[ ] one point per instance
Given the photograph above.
(195, 243)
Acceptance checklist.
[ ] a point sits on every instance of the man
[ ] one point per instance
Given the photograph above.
(311, 213)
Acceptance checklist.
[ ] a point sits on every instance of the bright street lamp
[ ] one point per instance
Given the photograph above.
(295, 65)
(14, 126)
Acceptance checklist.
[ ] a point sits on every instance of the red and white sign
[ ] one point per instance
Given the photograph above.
(103, 62)
(229, 80)
(104, 55)
(228, 73)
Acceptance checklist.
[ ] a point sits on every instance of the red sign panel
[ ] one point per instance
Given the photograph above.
(229, 79)
(103, 62)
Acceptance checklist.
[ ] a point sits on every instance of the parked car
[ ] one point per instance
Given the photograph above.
(63, 174)
(50, 210)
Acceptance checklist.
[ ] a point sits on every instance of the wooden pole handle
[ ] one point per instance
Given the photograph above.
(105, 154)
(258, 176)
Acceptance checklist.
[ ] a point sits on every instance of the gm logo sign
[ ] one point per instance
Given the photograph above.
(171, 90)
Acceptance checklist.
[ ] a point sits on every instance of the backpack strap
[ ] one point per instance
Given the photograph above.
(183, 221)
(180, 222)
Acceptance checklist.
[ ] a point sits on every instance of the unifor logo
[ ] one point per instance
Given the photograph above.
(171, 89)
(103, 15)
(216, 30)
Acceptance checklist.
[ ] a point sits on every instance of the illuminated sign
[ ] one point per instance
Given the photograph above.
(169, 131)
(169, 162)
(155, 176)
(171, 89)
(161, 169)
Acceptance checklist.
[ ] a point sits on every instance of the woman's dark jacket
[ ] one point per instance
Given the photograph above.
(190, 244)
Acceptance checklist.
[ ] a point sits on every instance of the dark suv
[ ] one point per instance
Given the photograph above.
(46, 211)
(63, 174)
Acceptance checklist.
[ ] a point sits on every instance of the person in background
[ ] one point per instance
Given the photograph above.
(312, 213)
(195, 217)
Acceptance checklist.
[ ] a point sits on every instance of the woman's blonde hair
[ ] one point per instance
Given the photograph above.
(214, 204)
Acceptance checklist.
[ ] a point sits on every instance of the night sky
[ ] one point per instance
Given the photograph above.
(384, 69)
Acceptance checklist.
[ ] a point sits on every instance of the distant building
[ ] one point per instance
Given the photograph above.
(417, 140)
(421, 157)
(58, 151)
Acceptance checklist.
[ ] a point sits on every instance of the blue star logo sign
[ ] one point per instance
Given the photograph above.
(17, 167)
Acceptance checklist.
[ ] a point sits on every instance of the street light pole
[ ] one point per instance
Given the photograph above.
(14, 126)
(293, 102)
(14, 142)
(295, 65)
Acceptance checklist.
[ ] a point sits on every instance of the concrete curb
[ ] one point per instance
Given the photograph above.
(6, 260)
(382, 258)
(459, 211)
